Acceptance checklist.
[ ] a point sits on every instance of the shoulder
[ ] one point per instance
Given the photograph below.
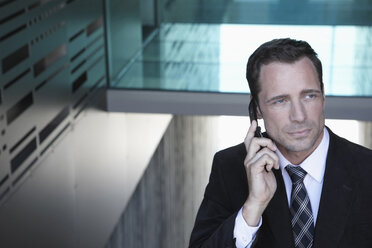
(230, 159)
(229, 162)
(346, 147)
(355, 158)
(228, 177)
(234, 152)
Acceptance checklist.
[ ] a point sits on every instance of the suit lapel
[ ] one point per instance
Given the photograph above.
(277, 215)
(337, 196)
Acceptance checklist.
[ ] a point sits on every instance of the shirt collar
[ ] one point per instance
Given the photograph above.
(317, 157)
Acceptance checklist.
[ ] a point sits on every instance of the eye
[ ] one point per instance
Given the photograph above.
(279, 101)
(310, 96)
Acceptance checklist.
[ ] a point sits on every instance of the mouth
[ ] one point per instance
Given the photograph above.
(299, 133)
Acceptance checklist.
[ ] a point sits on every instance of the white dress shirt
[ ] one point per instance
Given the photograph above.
(313, 182)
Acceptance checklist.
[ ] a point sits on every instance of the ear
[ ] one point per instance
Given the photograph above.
(259, 113)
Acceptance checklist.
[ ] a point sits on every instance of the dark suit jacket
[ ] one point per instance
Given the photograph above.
(345, 209)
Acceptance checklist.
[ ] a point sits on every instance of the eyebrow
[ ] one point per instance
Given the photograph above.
(276, 98)
(311, 91)
(306, 91)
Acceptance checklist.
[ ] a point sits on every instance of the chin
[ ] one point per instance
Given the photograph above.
(299, 148)
(302, 145)
(297, 145)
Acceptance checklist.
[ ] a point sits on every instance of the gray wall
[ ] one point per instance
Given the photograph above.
(75, 195)
(162, 210)
(366, 134)
(64, 171)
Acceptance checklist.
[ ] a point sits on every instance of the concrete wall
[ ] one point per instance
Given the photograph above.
(162, 210)
(67, 167)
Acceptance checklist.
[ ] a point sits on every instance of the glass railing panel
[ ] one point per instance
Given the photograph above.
(212, 57)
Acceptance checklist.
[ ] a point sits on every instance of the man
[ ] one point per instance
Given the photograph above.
(298, 186)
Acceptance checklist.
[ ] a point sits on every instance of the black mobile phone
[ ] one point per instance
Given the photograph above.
(252, 109)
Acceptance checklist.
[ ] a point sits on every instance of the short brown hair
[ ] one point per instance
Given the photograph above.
(281, 50)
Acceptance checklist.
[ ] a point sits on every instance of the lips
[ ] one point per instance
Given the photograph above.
(299, 133)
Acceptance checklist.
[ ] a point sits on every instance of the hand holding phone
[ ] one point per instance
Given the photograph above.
(261, 159)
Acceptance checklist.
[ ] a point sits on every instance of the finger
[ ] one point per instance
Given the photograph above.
(254, 156)
(269, 152)
(259, 143)
(264, 163)
(250, 134)
(269, 167)
(265, 152)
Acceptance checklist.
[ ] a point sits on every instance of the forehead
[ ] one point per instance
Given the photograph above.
(288, 78)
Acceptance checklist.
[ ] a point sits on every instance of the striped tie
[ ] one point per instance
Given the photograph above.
(302, 216)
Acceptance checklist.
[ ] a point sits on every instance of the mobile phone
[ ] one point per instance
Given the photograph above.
(252, 109)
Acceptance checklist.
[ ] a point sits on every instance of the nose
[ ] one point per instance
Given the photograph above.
(297, 112)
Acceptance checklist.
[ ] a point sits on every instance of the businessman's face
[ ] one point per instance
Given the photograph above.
(292, 105)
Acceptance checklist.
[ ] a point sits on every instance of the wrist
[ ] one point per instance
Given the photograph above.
(252, 212)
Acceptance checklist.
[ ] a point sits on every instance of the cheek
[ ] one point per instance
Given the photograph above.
(274, 122)
(316, 113)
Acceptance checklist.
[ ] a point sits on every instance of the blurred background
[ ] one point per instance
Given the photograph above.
(111, 110)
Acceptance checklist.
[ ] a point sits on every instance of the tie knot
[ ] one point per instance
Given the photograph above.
(296, 173)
